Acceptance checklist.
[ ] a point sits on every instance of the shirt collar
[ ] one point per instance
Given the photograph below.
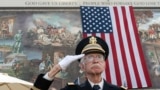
(100, 84)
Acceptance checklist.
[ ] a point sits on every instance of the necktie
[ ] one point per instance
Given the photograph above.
(96, 87)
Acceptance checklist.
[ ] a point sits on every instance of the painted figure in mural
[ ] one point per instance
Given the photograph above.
(152, 34)
(42, 67)
(10, 26)
(16, 66)
(48, 62)
(91, 52)
(17, 46)
(4, 29)
(158, 32)
(156, 69)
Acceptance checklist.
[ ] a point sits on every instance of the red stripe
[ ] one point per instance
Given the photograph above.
(122, 47)
(93, 34)
(131, 48)
(84, 35)
(115, 59)
(108, 75)
(147, 78)
(107, 71)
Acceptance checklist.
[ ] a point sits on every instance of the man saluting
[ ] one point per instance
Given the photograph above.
(91, 52)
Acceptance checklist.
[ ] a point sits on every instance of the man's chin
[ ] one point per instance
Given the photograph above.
(97, 72)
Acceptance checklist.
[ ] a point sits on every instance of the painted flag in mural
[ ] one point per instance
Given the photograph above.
(116, 25)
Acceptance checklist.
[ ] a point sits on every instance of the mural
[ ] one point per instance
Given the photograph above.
(148, 23)
(32, 42)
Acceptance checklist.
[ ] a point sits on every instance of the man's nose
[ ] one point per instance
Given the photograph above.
(95, 60)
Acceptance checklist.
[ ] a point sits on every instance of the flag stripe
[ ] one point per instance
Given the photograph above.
(110, 61)
(144, 71)
(133, 60)
(129, 51)
(136, 78)
(115, 61)
(117, 44)
(126, 62)
(121, 40)
(114, 52)
(108, 71)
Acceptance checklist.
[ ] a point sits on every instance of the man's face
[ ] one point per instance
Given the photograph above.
(93, 63)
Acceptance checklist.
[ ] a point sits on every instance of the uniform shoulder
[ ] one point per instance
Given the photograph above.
(123, 88)
(115, 87)
(70, 83)
(71, 86)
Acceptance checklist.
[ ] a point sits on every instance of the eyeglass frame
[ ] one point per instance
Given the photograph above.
(101, 57)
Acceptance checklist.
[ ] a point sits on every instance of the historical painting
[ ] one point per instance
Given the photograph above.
(148, 24)
(32, 41)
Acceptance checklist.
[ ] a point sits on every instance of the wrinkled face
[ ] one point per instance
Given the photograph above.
(93, 63)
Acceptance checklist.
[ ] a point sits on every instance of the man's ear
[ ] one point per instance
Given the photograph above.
(81, 65)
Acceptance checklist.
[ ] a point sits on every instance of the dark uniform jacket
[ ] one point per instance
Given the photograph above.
(44, 84)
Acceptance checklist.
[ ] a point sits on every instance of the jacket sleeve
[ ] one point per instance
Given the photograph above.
(42, 83)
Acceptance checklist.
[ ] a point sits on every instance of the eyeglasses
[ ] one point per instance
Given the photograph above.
(91, 57)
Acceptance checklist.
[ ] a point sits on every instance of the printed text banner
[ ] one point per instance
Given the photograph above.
(77, 3)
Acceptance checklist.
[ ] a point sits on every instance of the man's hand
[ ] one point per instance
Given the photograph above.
(67, 60)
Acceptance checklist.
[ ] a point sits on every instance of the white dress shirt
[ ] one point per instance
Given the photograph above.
(100, 84)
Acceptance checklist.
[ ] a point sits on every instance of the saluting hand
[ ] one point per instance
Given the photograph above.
(67, 60)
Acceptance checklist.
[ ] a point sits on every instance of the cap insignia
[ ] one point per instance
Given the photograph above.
(92, 40)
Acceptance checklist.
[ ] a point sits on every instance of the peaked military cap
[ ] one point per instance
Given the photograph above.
(92, 44)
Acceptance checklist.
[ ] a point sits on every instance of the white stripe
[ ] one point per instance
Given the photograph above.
(111, 62)
(136, 53)
(117, 46)
(89, 34)
(127, 52)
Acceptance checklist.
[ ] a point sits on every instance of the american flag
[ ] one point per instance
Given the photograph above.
(116, 25)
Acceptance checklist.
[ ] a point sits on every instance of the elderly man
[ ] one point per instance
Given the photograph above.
(91, 52)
